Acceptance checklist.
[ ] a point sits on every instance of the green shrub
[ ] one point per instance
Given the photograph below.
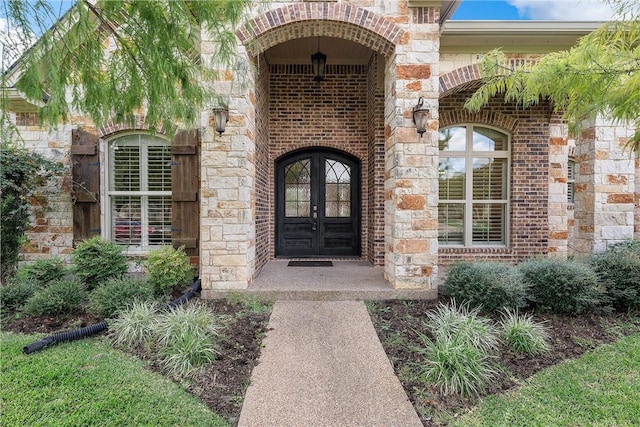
(168, 267)
(15, 294)
(458, 360)
(42, 272)
(455, 366)
(119, 294)
(619, 272)
(522, 334)
(561, 286)
(463, 324)
(97, 261)
(186, 338)
(25, 177)
(134, 326)
(60, 297)
(489, 286)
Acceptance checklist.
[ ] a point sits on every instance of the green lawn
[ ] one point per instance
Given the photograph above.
(602, 388)
(88, 383)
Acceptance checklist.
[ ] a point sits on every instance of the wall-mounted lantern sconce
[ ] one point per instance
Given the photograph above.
(318, 63)
(220, 118)
(420, 113)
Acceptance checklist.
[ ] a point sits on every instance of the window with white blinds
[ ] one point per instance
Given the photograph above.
(473, 186)
(140, 191)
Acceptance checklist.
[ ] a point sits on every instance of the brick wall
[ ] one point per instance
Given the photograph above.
(529, 197)
(333, 114)
(263, 194)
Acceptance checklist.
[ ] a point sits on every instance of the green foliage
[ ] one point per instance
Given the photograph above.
(458, 360)
(25, 180)
(60, 297)
(522, 334)
(619, 271)
(186, 338)
(15, 294)
(455, 366)
(167, 267)
(599, 75)
(464, 324)
(562, 286)
(134, 326)
(42, 272)
(89, 383)
(97, 261)
(155, 64)
(489, 286)
(119, 294)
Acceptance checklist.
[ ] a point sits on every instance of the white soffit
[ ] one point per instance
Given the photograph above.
(512, 36)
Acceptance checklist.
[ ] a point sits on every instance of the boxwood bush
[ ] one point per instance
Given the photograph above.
(42, 272)
(97, 261)
(619, 272)
(15, 294)
(490, 286)
(60, 297)
(119, 294)
(562, 286)
(167, 267)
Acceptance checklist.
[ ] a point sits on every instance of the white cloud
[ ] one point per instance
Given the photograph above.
(563, 10)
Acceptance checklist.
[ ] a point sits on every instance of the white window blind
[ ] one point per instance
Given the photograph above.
(140, 191)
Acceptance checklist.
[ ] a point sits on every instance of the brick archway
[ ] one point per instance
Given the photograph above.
(460, 79)
(320, 19)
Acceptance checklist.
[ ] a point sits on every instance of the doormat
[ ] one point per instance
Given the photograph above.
(310, 264)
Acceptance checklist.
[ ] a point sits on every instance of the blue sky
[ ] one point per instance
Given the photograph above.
(567, 10)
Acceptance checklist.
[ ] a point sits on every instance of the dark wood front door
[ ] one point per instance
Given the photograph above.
(317, 196)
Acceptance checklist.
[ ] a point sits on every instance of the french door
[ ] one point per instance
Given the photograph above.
(317, 198)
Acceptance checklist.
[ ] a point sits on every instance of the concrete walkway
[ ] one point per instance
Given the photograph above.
(323, 365)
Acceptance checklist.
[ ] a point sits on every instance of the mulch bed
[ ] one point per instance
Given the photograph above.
(222, 385)
(570, 337)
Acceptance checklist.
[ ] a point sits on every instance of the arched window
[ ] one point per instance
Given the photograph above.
(473, 186)
(139, 192)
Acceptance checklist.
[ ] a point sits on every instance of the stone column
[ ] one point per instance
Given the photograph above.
(558, 172)
(604, 205)
(411, 161)
(227, 182)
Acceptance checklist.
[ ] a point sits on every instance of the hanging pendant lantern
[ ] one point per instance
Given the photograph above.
(318, 63)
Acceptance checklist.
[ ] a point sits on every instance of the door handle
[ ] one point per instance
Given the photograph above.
(314, 226)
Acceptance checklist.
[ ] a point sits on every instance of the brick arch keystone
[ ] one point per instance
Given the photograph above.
(460, 79)
(310, 19)
(487, 117)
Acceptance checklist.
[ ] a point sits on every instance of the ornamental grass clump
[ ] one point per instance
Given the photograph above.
(186, 338)
(489, 286)
(522, 334)
(459, 359)
(134, 326)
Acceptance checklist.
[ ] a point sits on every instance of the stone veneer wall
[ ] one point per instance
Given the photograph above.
(605, 190)
(529, 234)
(332, 114)
(51, 233)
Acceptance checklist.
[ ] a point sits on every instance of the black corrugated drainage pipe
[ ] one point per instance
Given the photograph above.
(87, 331)
(76, 334)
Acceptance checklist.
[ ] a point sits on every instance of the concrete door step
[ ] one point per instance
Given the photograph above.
(328, 294)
